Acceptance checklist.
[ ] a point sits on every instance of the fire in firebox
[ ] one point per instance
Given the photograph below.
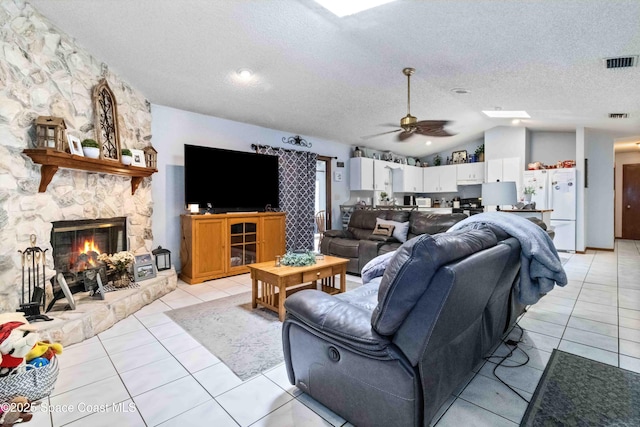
(87, 256)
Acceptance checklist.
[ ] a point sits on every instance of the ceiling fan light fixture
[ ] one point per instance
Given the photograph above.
(503, 114)
(244, 73)
(342, 8)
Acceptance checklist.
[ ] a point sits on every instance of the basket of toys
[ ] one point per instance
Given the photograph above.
(33, 383)
(28, 366)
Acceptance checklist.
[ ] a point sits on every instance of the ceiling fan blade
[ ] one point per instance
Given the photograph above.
(380, 134)
(432, 128)
(405, 135)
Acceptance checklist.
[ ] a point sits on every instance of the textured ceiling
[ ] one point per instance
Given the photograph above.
(341, 78)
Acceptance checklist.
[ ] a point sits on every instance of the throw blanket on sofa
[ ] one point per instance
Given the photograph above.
(540, 267)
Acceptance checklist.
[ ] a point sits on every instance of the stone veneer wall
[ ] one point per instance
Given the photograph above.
(43, 72)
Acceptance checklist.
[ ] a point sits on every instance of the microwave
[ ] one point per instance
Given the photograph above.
(423, 202)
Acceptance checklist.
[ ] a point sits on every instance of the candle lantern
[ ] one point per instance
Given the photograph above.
(150, 155)
(163, 258)
(50, 133)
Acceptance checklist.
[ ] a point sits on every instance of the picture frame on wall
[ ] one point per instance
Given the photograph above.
(138, 158)
(75, 147)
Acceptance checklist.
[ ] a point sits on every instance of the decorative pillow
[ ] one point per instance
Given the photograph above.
(400, 229)
(383, 229)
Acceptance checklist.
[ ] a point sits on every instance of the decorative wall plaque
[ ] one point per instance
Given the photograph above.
(106, 121)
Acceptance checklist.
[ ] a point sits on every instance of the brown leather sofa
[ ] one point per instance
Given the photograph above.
(359, 245)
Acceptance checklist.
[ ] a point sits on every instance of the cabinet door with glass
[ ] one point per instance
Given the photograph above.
(243, 242)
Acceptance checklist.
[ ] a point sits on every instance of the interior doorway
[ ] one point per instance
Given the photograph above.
(323, 196)
(631, 201)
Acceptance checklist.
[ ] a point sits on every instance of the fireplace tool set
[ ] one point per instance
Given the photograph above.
(33, 264)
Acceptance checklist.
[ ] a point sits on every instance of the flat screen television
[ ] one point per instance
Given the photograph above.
(230, 181)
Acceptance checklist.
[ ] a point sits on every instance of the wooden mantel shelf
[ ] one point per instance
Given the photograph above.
(51, 160)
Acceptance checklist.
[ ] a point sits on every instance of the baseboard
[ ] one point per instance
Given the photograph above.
(599, 249)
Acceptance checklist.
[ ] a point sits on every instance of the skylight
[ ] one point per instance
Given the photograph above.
(344, 8)
(502, 114)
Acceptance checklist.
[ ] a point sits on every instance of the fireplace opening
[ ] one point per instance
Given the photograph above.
(77, 244)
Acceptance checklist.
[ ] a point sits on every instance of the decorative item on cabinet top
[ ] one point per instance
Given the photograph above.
(459, 157)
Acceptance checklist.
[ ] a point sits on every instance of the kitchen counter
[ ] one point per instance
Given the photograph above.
(542, 214)
(436, 210)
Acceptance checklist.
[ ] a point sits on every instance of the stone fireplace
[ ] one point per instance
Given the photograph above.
(44, 72)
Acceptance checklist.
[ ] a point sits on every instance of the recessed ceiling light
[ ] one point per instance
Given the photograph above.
(460, 90)
(245, 73)
(515, 121)
(502, 114)
(428, 142)
(344, 8)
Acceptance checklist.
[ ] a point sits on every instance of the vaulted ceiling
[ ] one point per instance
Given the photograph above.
(322, 76)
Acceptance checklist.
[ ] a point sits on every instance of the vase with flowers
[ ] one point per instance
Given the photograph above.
(120, 263)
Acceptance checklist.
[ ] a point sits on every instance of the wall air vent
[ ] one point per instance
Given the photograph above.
(618, 115)
(621, 62)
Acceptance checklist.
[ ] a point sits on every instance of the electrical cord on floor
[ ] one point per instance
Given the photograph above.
(514, 344)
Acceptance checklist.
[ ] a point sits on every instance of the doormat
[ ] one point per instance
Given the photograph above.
(575, 391)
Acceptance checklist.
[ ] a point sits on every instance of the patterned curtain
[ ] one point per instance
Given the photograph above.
(297, 194)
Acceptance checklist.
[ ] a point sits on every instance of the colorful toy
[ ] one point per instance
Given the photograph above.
(16, 340)
(44, 349)
(38, 362)
(18, 412)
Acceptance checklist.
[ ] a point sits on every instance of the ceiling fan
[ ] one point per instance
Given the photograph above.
(409, 125)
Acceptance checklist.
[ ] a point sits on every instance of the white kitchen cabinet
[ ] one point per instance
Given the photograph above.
(439, 179)
(508, 169)
(407, 179)
(370, 174)
(360, 173)
(505, 170)
(382, 174)
(470, 173)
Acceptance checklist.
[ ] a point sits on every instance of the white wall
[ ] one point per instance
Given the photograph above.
(599, 200)
(581, 193)
(172, 128)
(502, 142)
(622, 159)
(550, 147)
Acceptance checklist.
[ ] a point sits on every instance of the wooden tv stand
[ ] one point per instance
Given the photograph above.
(221, 245)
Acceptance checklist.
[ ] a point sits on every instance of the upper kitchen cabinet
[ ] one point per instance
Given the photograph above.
(407, 179)
(439, 179)
(509, 169)
(370, 174)
(470, 173)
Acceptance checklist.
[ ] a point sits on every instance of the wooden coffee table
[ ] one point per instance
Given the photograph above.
(283, 281)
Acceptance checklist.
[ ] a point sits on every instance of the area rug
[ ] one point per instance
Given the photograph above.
(575, 391)
(248, 341)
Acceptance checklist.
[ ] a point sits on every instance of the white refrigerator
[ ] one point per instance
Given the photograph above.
(562, 199)
(538, 180)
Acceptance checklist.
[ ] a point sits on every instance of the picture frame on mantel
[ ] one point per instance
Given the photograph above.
(75, 147)
(138, 158)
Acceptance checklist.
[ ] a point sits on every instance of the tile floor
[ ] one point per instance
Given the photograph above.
(146, 371)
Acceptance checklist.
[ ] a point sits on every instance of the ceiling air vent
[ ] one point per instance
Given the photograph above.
(618, 115)
(621, 62)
